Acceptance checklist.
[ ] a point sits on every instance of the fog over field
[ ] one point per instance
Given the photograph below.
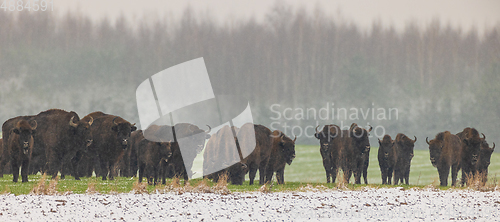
(299, 65)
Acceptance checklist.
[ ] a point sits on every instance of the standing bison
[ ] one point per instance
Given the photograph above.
(130, 165)
(404, 151)
(471, 145)
(329, 149)
(259, 157)
(221, 156)
(445, 153)
(20, 148)
(111, 139)
(152, 158)
(386, 158)
(282, 153)
(353, 154)
(60, 135)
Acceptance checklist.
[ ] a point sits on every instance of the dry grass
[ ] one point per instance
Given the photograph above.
(221, 186)
(41, 188)
(139, 188)
(91, 189)
(6, 190)
(341, 181)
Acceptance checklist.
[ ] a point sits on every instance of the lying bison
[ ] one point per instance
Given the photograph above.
(444, 153)
(471, 145)
(20, 147)
(111, 135)
(386, 158)
(152, 160)
(282, 153)
(404, 151)
(221, 156)
(329, 149)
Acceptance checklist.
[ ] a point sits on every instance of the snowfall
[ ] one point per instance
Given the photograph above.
(372, 204)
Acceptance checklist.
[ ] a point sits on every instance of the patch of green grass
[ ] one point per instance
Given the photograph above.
(306, 169)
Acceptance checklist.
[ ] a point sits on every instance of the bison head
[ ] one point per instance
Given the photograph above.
(237, 173)
(24, 132)
(123, 129)
(326, 136)
(472, 143)
(82, 132)
(360, 138)
(386, 146)
(435, 148)
(286, 146)
(485, 155)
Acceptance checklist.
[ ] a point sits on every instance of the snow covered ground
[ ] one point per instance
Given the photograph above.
(385, 204)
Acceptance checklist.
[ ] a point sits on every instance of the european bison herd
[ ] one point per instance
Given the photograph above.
(106, 145)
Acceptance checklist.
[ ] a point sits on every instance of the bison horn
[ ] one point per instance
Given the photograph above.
(493, 146)
(370, 128)
(316, 129)
(426, 140)
(91, 121)
(71, 123)
(34, 127)
(114, 121)
(484, 137)
(295, 139)
(414, 141)
(209, 129)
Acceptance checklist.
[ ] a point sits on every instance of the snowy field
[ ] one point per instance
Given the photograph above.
(384, 204)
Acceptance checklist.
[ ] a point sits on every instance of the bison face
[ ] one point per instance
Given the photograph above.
(123, 131)
(435, 148)
(288, 148)
(82, 131)
(326, 136)
(386, 147)
(485, 156)
(24, 132)
(237, 173)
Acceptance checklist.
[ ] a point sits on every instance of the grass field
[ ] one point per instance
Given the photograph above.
(307, 168)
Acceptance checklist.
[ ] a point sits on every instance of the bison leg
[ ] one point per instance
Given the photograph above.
(24, 170)
(280, 175)
(263, 174)
(407, 177)
(335, 171)
(251, 174)
(15, 171)
(141, 172)
(443, 175)
(383, 172)
(454, 173)
(74, 162)
(328, 168)
(104, 169)
(365, 175)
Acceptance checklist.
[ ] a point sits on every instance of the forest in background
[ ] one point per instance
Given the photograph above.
(437, 77)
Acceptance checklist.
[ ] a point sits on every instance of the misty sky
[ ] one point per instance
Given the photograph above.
(467, 13)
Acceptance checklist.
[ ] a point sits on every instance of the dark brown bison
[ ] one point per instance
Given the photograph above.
(386, 158)
(130, 165)
(329, 149)
(20, 147)
(483, 161)
(445, 152)
(282, 153)
(7, 127)
(152, 160)
(189, 137)
(221, 156)
(248, 135)
(111, 139)
(471, 145)
(354, 152)
(404, 151)
(60, 134)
